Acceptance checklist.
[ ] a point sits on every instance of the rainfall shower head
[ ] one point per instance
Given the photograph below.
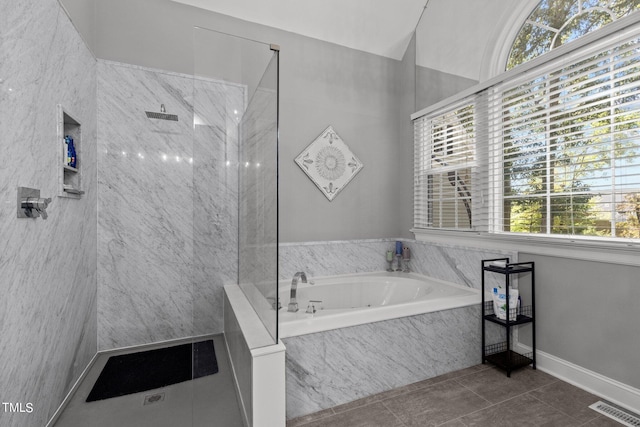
(162, 115)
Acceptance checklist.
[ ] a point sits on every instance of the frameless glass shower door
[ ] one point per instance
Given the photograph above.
(258, 202)
(236, 162)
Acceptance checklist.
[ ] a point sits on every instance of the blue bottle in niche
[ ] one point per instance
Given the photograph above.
(67, 150)
(72, 153)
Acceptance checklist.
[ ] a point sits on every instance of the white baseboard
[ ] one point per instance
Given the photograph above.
(609, 389)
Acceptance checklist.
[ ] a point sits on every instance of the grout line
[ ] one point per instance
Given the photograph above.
(393, 413)
(593, 419)
(481, 397)
(333, 413)
(491, 405)
(459, 419)
(555, 380)
(565, 413)
(372, 397)
(546, 404)
(384, 400)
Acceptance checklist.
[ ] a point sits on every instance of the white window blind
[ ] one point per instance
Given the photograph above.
(567, 149)
(554, 150)
(443, 174)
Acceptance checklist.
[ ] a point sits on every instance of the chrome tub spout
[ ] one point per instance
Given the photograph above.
(293, 304)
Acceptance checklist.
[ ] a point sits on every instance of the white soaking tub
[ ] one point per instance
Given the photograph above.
(356, 299)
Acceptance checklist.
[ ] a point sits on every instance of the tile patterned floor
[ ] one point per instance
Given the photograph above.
(206, 401)
(474, 397)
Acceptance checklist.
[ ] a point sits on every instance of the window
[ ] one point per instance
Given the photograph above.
(554, 23)
(569, 146)
(444, 162)
(551, 151)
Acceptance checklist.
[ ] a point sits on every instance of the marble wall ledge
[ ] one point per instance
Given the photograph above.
(453, 263)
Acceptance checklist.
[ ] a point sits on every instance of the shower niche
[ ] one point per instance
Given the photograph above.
(69, 142)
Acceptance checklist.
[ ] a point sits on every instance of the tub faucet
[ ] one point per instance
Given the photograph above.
(293, 304)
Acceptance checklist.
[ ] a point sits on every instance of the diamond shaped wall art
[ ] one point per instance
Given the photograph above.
(329, 163)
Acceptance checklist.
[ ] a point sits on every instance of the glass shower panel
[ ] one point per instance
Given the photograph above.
(235, 164)
(258, 202)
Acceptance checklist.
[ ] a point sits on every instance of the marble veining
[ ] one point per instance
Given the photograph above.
(461, 265)
(48, 268)
(215, 199)
(145, 222)
(332, 258)
(334, 367)
(167, 207)
(447, 262)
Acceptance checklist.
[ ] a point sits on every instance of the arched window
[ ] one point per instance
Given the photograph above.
(556, 22)
(553, 150)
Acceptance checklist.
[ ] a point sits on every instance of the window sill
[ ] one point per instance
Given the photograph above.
(625, 253)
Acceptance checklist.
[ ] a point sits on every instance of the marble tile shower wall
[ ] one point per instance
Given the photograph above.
(48, 268)
(452, 263)
(166, 219)
(215, 199)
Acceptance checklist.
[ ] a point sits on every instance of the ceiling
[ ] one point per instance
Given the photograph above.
(381, 27)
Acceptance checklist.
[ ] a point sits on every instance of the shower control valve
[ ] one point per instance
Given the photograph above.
(30, 204)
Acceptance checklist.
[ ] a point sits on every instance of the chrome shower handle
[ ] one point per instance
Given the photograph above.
(39, 204)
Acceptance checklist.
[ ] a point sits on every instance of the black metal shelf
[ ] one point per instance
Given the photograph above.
(511, 269)
(524, 315)
(520, 320)
(502, 355)
(499, 355)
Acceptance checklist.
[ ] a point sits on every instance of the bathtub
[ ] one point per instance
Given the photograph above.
(356, 299)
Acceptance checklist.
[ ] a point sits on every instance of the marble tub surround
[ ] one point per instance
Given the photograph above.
(457, 264)
(48, 267)
(165, 204)
(460, 265)
(334, 367)
(332, 258)
(382, 355)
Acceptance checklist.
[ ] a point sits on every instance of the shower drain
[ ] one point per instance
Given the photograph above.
(153, 398)
(614, 413)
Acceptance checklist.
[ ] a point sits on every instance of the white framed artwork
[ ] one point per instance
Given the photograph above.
(329, 163)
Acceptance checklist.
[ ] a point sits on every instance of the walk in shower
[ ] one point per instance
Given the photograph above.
(187, 204)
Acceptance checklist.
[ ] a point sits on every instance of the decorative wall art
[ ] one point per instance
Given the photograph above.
(329, 163)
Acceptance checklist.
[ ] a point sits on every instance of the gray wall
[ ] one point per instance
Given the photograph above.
(321, 84)
(587, 314)
(83, 13)
(433, 86)
(47, 267)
